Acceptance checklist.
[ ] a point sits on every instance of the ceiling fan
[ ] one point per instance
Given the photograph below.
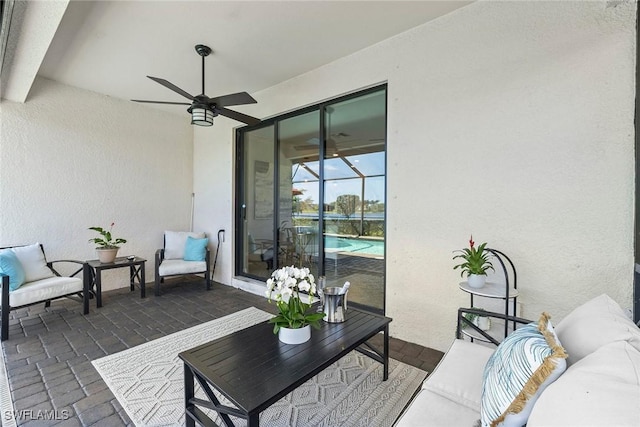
(202, 108)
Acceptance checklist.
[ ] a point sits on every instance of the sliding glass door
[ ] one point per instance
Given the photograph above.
(256, 212)
(354, 197)
(326, 168)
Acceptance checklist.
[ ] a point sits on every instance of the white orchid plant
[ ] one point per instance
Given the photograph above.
(287, 283)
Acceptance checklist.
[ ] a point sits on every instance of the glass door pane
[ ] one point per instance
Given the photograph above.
(299, 185)
(257, 203)
(354, 197)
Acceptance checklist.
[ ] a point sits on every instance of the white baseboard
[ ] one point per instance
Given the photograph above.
(249, 285)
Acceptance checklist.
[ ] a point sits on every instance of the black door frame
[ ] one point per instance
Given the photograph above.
(636, 240)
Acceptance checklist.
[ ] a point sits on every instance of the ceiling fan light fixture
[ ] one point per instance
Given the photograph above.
(201, 115)
(203, 108)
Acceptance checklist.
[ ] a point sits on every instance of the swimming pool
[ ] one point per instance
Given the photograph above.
(357, 246)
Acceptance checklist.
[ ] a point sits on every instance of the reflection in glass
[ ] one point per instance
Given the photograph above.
(299, 191)
(354, 197)
(257, 208)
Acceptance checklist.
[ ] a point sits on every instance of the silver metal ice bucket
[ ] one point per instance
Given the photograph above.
(335, 304)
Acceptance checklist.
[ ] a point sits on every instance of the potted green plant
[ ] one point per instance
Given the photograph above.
(107, 248)
(482, 322)
(476, 263)
(293, 322)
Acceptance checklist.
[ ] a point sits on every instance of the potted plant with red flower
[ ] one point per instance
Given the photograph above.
(476, 263)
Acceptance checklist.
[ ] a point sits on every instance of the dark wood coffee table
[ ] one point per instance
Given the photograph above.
(253, 369)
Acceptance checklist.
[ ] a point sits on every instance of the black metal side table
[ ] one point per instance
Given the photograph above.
(93, 271)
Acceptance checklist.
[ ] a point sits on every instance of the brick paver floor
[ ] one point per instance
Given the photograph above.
(49, 352)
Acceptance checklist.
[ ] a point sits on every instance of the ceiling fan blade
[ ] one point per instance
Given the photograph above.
(171, 86)
(161, 102)
(237, 116)
(239, 98)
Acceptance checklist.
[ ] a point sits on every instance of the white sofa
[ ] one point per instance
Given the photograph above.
(600, 387)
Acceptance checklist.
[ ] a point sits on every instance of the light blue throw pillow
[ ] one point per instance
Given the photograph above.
(195, 249)
(10, 265)
(522, 366)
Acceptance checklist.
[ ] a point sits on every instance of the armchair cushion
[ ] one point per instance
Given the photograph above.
(173, 267)
(195, 249)
(523, 365)
(10, 265)
(33, 262)
(44, 289)
(175, 242)
(595, 323)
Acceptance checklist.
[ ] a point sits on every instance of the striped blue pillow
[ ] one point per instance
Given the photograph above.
(522, 366)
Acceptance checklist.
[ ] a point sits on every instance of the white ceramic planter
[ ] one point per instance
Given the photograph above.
(483, 323)
(476, 280)
(295, 336)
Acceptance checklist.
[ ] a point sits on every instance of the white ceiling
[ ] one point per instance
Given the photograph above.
(110, 46)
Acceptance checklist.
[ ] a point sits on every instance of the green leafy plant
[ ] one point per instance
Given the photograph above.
(472, 317)
(106, 241)
(476, 260)
(293, 313)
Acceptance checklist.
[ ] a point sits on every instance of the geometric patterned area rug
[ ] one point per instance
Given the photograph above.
(148, 382)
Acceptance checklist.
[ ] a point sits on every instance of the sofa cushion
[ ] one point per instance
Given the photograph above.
(33, 262)
(451, 393)
(602, 389)
(458, 376)
(595, 323)
(171, 267)
(195, 249)
(523, 365)
(175, 241)
(10, 265)
(429, 408)
(44, 289)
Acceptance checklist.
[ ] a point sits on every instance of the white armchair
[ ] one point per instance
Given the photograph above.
(183, 253)
(28, 278)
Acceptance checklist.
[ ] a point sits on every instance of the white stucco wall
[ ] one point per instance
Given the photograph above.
(509, 120)
(71, 159)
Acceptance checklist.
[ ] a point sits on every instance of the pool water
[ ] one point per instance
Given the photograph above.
(358, 246)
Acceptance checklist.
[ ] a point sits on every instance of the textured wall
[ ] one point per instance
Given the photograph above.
(72, 159)
(509, 120)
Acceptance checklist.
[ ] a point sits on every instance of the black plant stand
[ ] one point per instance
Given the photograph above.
(508, 291)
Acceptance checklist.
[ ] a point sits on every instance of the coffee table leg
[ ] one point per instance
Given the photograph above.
(188, 395)
(386, 353)
(253, 420)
